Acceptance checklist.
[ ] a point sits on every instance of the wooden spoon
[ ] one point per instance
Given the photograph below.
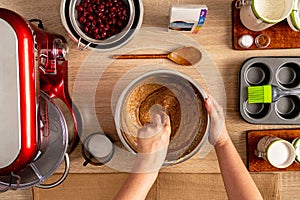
(181, 56)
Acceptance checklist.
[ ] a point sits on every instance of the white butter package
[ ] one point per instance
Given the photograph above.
(187, 17)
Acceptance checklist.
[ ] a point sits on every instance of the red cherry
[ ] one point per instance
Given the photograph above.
(101, 19)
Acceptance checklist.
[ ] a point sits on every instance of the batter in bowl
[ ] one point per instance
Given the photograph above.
(181, 101)
(156, 98)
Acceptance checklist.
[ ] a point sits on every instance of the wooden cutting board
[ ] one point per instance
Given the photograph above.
(282, 36)
(256, 164)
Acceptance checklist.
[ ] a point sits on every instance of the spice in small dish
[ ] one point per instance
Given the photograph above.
(262, 41)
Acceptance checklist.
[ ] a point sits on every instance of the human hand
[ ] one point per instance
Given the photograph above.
(218, 132)
(152, 143)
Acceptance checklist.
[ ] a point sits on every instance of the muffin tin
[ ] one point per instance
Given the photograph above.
(283, 72)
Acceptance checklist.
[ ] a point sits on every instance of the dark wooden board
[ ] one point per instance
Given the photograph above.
(282, 36)
(256, 164)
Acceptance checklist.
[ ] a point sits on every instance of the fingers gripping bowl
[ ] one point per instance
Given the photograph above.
(179, 96)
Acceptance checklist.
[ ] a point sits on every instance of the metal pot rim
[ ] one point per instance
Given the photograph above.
(113, 39)
(101, 46)
(141, 77)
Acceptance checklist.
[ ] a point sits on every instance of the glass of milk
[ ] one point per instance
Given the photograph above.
(258, 15)
(278, 152)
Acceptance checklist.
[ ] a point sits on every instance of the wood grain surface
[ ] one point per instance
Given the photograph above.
(215, 38)
(168, 186)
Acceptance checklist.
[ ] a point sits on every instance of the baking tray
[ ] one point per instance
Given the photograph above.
(256, 164)
(281, 35)
(283, 72)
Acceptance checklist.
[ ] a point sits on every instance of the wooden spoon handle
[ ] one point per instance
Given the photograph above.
(140, 56)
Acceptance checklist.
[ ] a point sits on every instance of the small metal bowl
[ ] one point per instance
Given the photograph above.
(69, 20)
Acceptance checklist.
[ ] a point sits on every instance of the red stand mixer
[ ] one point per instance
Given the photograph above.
(39, 122)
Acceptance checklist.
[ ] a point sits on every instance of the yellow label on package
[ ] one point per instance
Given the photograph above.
(187, 17)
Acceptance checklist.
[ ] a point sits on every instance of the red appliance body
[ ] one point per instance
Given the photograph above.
(39, 64)
(27, 93)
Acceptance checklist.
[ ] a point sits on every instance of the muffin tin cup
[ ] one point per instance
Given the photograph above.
(288, 75)
(283, 72)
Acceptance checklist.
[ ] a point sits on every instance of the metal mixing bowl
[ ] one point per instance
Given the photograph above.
(185, 107)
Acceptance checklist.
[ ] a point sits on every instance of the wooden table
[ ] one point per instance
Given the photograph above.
(215, 38)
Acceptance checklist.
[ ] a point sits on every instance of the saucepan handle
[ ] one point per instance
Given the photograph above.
(79, 45)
